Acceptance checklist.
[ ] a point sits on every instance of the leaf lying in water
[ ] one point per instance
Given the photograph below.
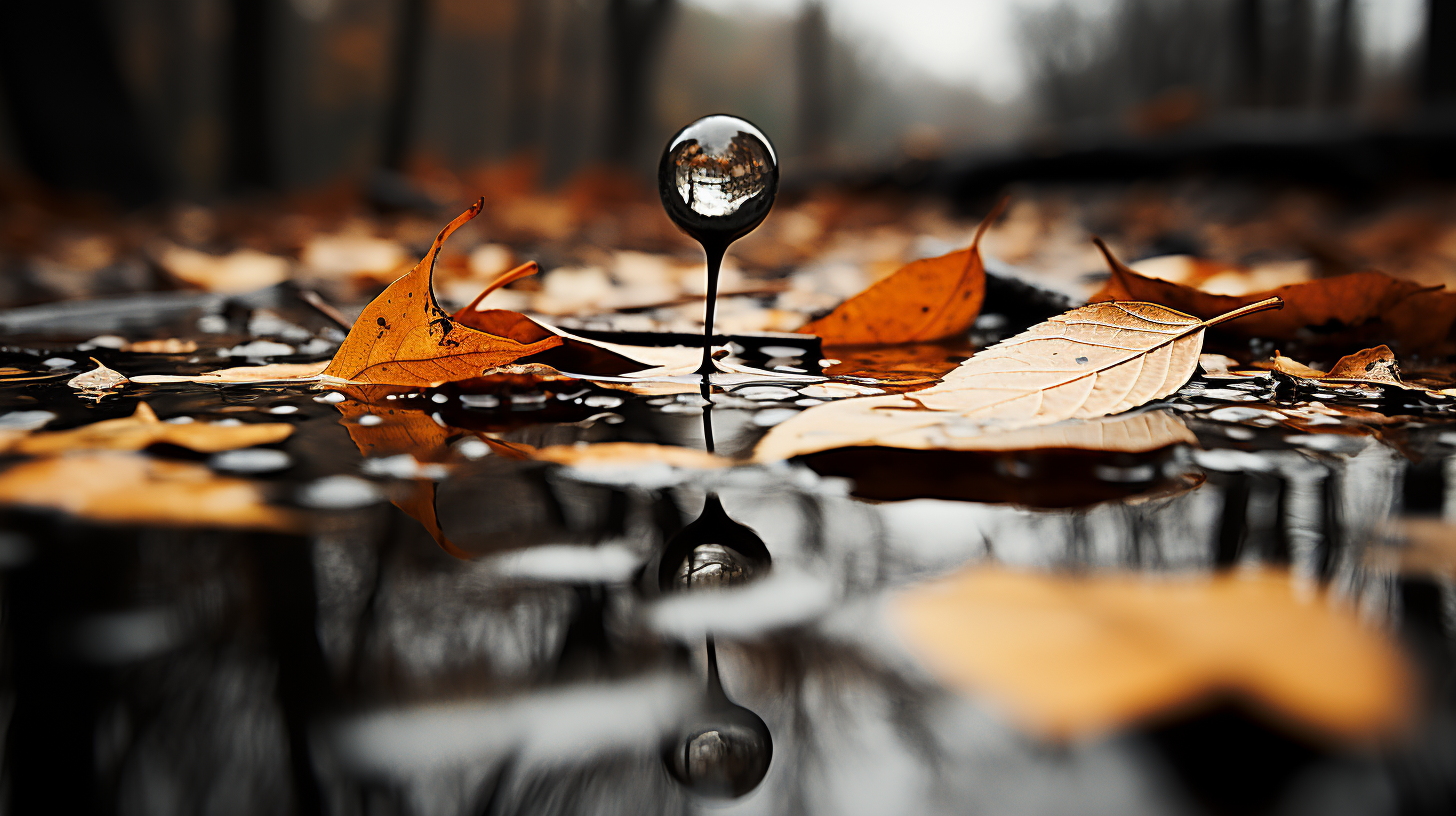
(99, 378)
(1371, 368)
(1364, 307)
(128, 488)
(404, 338)
(898, 368)
(1090, 362)
(896, 421)
(142, 428)
(274, 373)
(923, 301)
(615, 454)
(1070, 656)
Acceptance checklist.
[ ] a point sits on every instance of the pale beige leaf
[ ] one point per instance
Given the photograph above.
(99, 378)
(275, 373)
(896, 421)
(1093, 361)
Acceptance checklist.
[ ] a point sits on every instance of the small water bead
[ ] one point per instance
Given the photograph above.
(718, 178)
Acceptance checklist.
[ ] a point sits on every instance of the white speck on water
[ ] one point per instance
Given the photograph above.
(808, 401)
(59, 362)
(283, 409)
(782, 351)
(317, 345)
(179, 420)
(473, 448)
(790, 369)
(439, 398)
(766, 393)
(332, 396)
(1243, 415)
(339, 493)
(212, 324)
(602, 401)
(257, 348)
(773, 416)
(605, 564)
(25, 420)
(480, 400)
(251, 460)
(404, 466)
(109, 341)
(1226, 394)
(228, 423)
(369, 420)
(528, 399)
(1241, 434)
(829, 361)
(1329, 443)
(680, 408)
(1230, 460)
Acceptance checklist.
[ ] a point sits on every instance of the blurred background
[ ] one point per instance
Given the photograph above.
(150, 100)
(231, 145)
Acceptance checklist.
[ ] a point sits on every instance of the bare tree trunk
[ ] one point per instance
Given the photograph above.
(634, 33)
(1438, 68)
(1344, 66)
(1290, 86)
(811, 55)
(1248, 38)
(75, 123)
(401, 108)
(252, 156)
(523, 130)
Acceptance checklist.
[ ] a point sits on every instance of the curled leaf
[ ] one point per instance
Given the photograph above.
(923, 301)
(404, 338)
(99, 378)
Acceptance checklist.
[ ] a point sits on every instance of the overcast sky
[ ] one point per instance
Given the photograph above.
(975, 41)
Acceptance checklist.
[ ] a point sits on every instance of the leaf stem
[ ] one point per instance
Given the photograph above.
(1263, 305)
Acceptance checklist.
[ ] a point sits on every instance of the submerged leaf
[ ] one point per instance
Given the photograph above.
(1069, 656)
(923, 301)
(142, 428)
(404, 338)
(128, 488)
(1360, 307)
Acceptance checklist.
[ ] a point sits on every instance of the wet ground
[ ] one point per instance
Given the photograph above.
(461, 631)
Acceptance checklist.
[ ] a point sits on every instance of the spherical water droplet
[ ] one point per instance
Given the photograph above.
(722, 760)
(718, 178)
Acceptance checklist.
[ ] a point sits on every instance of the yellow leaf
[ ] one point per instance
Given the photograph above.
(143, 428)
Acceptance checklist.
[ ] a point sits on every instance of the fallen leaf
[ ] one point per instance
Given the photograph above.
(1095, 360)
(901, 368)
(403, 337)
(1070, 656)
(242, 271)
(1358, 308)
(142, 429)
(99, 378)
(127, 488)
(897, 421)
(615, 454)
(1375, 365)
(273, 373)
(170, 345)
(923, 301)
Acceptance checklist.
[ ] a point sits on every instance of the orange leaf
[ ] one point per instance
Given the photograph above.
(1356, 308)
(405, 338)
(924, 300)
(1068, 656)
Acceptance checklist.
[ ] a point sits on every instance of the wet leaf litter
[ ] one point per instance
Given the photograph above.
(736, 490)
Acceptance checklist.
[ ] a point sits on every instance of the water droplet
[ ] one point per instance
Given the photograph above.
(718, 178)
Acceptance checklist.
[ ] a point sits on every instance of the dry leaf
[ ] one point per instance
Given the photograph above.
(1070, 656)
(923, 301)
(1361, 307)
(242, 271)
(896, 421)
(99, 378)
(404, 338)
(142, 428)
(126, 488)
(170, 345)
(274, 373)
(1100, 359)
(1374, 365)
(616, 454)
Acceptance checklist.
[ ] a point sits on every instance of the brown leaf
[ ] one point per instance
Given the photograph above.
(1364, 306)
(404, 338)
(245, 270)
(1096, 360)
(1375, 365)
(142, 428)
(127, 488)
(923, 301)
(1070, 656)
(99, 378)
(170, 345)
